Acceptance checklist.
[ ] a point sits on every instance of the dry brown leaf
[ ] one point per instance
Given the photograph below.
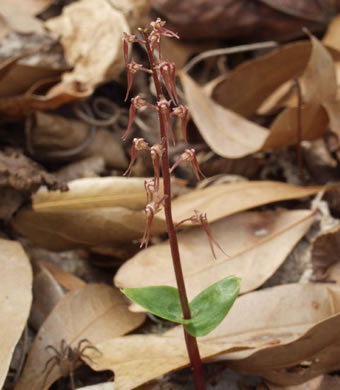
(93, 227)
(16, 298)
(55, 138)
(244, 89)
(325, 252)
(257, 244)
(271, 328)
(46, 294)
(227, 133)
(96, 312)
(67, 280)
(283, 132)
(137, 359)
(91, 33)
(232, 136)
(94, 192)
(222, 200)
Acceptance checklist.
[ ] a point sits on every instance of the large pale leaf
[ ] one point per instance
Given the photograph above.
(96, 312)
(257, 244)
(137, 359)
(94, 192)
(269, 329)
(62, 230)
(15, 299)
(225, 199)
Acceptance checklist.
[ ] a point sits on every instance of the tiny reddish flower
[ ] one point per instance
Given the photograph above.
(136, 103)
(202, 219)
(132, 69)
(158, 25)
(127, 38)
(156, 153)
(155, 40)
(137, 145)
(167, 70)
(151, 209)
(164, 109)
(149, 186)
(189, 155)
(183, 113)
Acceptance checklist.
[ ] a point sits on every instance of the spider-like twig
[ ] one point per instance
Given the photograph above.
(66, 358)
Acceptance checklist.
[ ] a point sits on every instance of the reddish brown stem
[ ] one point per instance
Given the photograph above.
(191, 342)
(299, 130)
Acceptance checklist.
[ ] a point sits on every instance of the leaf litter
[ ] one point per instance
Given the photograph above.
(286, 334)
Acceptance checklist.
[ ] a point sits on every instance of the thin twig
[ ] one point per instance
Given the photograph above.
(229, 50)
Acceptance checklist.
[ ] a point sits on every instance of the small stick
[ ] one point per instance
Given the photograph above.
(228, 50)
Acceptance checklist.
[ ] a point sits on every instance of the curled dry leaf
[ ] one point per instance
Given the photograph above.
(96, 312)
(257, 244)
(91, 32)
(268, 329)
(19, 178)
(16, 298)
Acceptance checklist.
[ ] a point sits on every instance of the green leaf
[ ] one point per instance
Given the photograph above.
(163, 301)
(211, 306)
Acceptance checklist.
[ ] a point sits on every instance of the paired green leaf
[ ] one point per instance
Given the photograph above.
(163, 301)
(208, 309)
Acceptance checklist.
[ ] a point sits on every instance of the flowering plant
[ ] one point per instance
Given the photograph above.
(209, 308)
